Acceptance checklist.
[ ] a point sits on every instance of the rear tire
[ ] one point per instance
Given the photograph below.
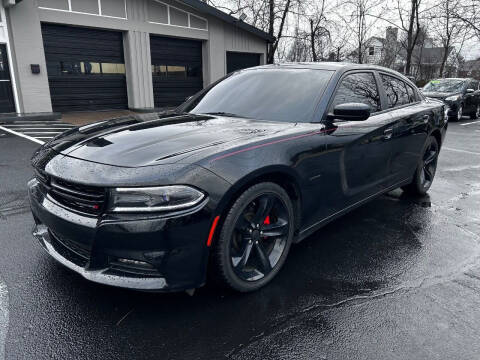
(255, 238)
(426, 168)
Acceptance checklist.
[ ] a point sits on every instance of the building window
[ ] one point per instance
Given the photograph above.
(176, 71)
(371, 51)
(107, 8)
(165, 14)
(112, 68)
(90, 68)
(197, 23)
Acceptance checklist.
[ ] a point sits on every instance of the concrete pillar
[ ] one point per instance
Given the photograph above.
(215, 48)
(27, 48)
(138, 64)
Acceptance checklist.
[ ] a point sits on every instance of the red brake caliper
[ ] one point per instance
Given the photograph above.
(267, 220)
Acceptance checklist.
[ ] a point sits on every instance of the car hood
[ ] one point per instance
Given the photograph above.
(152, 139)
(438, 95)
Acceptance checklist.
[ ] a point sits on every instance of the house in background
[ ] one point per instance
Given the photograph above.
(470, 68)
(67, 55)
(427, 61)
(390, 52)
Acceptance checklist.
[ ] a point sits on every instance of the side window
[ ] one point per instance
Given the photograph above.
(396, 90)
(358, 88)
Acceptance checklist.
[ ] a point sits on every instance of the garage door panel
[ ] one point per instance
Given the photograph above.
(170, 89)
(238, 60)
(68, 51)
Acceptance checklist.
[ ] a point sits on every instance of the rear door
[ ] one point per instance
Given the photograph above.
(408, 124)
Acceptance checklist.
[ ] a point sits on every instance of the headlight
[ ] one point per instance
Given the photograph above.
(453, 98)
(150, 199)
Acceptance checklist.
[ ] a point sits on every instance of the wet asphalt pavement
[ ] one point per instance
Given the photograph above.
(399, 278)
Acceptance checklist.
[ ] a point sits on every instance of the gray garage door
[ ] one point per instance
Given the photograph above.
(176, 69)
(238, 61)
(86, 68)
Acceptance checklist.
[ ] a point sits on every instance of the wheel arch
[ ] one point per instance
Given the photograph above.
(437, 135)
(281, 175)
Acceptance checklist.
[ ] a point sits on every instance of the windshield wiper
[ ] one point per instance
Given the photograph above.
(222, 113)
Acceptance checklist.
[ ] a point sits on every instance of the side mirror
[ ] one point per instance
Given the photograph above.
(470, 91)
(351, 112)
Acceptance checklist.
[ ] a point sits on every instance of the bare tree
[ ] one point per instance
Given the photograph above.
(412, 28)
(360, 16)
(468, 12)
(319, 33)
(447, 28)
(269, 15)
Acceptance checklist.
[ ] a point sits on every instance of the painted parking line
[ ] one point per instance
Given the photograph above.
(41, 132)
(37, 128)
(470, 123)
(3, 317)
(31, 138)
(461, 151)
(37, 131)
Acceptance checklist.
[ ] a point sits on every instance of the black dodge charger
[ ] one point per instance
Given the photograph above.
(229, 180)
(461, 96)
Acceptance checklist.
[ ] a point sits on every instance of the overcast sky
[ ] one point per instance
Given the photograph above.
(470, 49)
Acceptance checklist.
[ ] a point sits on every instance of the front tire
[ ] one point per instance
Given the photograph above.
(426, 168)
(255, 238)
(476, 114)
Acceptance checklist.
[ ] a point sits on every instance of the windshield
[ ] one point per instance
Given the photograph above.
(445, 85)
(288, 95)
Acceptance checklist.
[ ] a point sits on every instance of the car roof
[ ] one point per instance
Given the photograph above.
(332, 66)
(461, 79)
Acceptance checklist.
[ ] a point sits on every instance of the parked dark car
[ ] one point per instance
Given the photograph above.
(250, 165)
(462, 96)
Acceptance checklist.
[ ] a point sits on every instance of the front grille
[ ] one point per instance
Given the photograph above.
(70, 250)
(82, 198)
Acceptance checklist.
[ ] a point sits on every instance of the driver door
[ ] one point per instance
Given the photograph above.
(359, 150)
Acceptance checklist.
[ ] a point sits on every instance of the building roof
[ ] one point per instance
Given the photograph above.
(470, 65)
(432, 55)
(210, 10)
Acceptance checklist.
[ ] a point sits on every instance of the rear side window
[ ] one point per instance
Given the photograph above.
(358, 88)
(396, 90)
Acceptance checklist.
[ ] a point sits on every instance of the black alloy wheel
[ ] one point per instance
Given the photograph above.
(426, 169)
(429, 164)
(255, 237)
(459, 112)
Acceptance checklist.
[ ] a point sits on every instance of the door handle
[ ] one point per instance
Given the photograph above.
(426, 118)
(388, 133)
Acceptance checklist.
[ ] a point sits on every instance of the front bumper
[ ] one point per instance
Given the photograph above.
(148, 252)
(451, 108)
(99, 276)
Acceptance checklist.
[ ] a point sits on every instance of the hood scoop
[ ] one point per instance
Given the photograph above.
(189, 150)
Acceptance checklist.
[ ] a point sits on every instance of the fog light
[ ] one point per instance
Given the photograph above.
(134, 262)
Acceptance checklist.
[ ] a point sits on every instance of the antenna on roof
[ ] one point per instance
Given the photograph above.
(243, 16)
